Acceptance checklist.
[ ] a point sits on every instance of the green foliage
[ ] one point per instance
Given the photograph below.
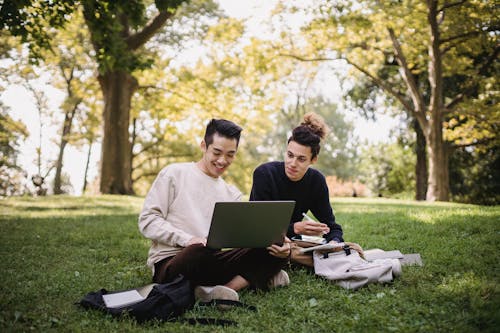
(11, 133)
(108, 23)
(168, 5)
(388, 169)
(475, 175)
(411, 51)
(56, 249)
(33, 20)
(171, 113)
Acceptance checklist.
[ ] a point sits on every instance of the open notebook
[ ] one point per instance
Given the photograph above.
(127, 297)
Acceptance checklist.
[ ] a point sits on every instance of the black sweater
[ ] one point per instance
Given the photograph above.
(310, 194)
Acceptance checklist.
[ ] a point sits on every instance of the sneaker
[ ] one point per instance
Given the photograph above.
(279, 280)
(207, 294)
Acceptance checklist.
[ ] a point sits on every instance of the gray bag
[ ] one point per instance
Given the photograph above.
(347, 269)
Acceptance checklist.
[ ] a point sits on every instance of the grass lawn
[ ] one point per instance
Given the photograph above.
(56, 249)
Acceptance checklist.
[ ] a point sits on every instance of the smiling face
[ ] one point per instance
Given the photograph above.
(298, 158)
(218, 156)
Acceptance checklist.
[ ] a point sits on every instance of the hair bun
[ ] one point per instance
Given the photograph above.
(316, 124)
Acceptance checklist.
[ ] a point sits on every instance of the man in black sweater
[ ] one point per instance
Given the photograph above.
(293, 179)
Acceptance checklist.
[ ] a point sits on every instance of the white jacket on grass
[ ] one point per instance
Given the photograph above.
(350, 271)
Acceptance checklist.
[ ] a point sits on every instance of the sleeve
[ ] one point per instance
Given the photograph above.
(261, 190)
(153, 219)
(322, 210)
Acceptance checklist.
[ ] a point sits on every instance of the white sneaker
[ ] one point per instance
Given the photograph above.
(279, 280)
(207, 294)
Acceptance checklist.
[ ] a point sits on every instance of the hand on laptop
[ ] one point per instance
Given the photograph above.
(310, 228)
(197, 240)
(281, 251)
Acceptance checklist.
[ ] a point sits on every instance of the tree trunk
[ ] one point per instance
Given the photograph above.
(118, 88)
(439, 187)
(68, 122)
(421, 174)
(438, 183)
(85, 175)
(59, 164)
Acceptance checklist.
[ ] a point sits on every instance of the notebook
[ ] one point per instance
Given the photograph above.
(249, 224)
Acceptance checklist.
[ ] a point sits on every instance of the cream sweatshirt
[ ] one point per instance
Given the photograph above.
(179, 206)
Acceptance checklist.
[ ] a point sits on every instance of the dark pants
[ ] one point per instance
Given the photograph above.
(208, 267)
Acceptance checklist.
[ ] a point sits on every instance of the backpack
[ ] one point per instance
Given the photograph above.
(162, 302)
(347, 269)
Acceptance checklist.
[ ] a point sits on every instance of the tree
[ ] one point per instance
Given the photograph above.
(74, 72)
(118, 32)
(41, 103)
(362, 95)
(11, 175)
(428, 42)
(236, 79)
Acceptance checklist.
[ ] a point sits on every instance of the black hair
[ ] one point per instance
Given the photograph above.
(310, 133)
(223, 127)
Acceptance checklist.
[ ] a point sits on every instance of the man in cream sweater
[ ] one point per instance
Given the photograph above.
(176, 218)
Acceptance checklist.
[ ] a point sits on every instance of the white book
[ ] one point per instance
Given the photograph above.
(328, 246)
(121, 299)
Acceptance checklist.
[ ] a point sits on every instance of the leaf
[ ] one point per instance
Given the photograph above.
(313, 302)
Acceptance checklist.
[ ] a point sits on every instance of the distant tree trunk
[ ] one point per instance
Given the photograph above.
(118, 88)
(133, 138)
(421, 174)
(87, 167)
(68, 122)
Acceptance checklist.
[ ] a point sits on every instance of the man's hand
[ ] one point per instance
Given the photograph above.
(197, 240)
(283, 251)
(310, 228)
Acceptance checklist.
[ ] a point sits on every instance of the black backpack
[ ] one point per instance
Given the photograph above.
(165, 302)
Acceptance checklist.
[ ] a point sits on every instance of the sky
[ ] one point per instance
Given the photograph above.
(22, 106)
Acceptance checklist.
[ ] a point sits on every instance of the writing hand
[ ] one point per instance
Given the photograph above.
(310, 228)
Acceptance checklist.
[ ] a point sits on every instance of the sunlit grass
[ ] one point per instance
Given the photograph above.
(54, 250)
(70, 206)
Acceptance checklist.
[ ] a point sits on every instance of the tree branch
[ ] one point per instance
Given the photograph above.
(155, 173)
(467, 92)
(408, 77)
(475, 143)
(379, 82)
(301, 58)
(148, 147)
(140, 38)
(468, 34)
(450, 5)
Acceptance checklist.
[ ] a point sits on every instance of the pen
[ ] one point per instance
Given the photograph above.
(307, 217)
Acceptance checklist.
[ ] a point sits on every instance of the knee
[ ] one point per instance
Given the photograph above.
(196, 250)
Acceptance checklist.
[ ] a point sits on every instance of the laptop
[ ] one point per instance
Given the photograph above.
(249, 224)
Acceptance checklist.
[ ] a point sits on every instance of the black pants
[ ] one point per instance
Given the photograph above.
(208, 267)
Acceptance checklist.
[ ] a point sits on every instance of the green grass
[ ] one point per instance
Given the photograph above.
(56, 249)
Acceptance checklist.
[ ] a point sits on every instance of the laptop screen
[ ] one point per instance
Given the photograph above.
(249, 224)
